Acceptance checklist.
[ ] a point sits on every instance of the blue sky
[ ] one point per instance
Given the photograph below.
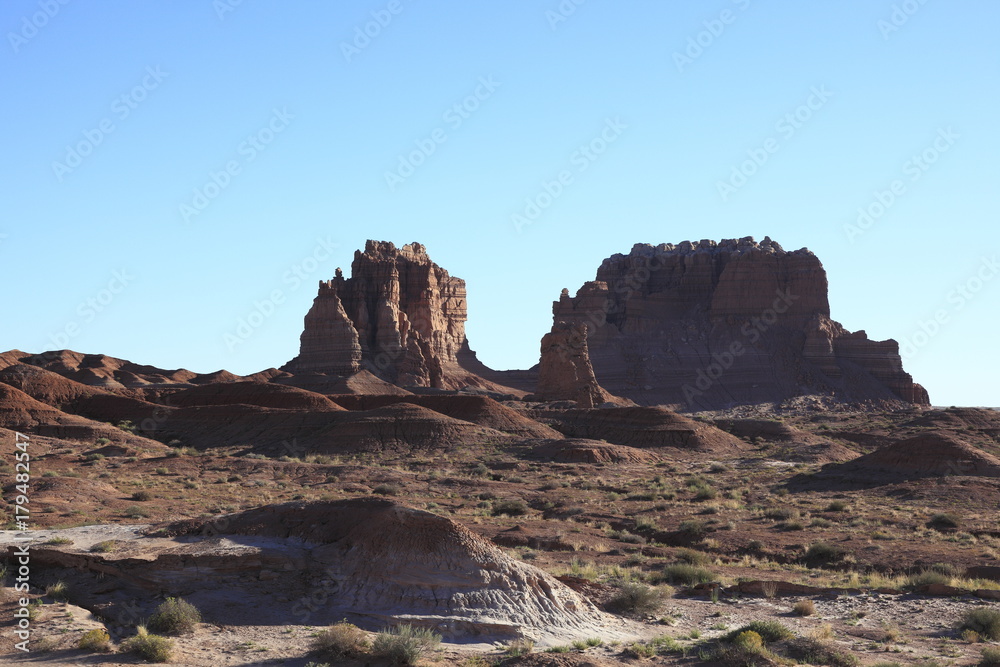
(170, 168)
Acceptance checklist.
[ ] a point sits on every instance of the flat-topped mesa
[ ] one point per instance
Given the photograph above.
(708, 325)
(399, 316)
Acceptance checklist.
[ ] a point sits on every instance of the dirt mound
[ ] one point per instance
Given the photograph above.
(46, 386)
(76, 398)
(21, 412)
(362, 382)
(73, 490)
(274, 431)
(402, 426)
(642, 427)
(262, 394)
(577, 450)
(221, 375)
(480, 410)
(928, 455)
(390, 562)
(960, 418)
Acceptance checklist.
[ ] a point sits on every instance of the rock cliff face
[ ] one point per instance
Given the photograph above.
(564, 371)
(709, 325)
(400, 316)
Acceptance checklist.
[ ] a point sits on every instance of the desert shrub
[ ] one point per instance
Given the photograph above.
(692, 557)
(782, 513)
(404, 644)
(175, 617)
(97, 640)
(636, 598)
(837, 506)
(944, 521)
(745, 649)
(56, 591)
(985, 621)
(136, 512)
(386, 490)
(94, 457)
(750, 640)
(927, 577)
(509, 507)
(105, 546)
(341, 640)
(991, 658)
(815, 652)
(149, 647)
(804, 608)
(686, 575)
(821, 553)
(519, 647)
(142, 495)
(769, 631)
(692, 528)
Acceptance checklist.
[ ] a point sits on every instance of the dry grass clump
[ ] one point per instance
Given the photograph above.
(804, 608)
(404, 644)
(341, 640)
(149, 647)
(983, 621)
(634, 598)
(97, 640)
(175, 617)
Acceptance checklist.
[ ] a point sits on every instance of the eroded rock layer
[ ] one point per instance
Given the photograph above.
(710, 325)
(400, 316)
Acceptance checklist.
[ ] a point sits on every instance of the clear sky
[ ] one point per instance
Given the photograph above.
(169, 168)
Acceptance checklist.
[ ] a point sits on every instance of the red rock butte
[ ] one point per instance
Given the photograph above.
(711, 325)
(695, 326)
(399, 316)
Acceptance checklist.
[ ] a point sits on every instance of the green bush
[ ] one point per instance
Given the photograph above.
(175, 617)
(386, 490)
(97, 640)
(822, 553)
(944, 521)
(636, 598)
(984, 621)
(509, 507)
(769, 631)
(686, 575)
(149, 647)
(341, 640)
(142, 495)
(404, 644)
(991, 658)
(815, 652)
